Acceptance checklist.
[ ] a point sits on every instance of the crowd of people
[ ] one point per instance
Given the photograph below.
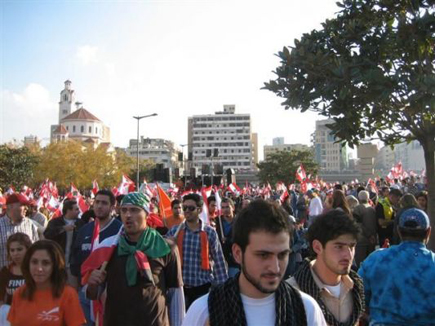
(348, 254)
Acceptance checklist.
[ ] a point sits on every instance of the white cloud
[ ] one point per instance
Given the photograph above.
(31, 111)
(87, 54)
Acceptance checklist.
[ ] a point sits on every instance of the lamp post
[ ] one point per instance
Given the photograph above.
(138, 118)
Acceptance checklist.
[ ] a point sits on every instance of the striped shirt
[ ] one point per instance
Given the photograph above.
(7, 228)
(193, 274)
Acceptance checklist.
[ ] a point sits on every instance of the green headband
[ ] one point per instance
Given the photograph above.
(137, 199)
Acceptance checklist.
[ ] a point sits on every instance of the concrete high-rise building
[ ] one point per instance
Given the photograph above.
(278, 141)
(330, 156)
(410, 155)
(367, 154)
(223, 138)
(159, 151)
(279, 146)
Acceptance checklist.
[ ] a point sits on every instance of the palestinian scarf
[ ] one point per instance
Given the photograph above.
(226, 307)
(150, 244)
(307, 284)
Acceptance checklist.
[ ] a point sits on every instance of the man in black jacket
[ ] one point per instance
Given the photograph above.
(63, 231)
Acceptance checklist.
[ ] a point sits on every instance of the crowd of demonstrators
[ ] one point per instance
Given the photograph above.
(163, 264)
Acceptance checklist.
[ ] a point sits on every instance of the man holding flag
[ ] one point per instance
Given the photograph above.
(92, 233)
(143, 275)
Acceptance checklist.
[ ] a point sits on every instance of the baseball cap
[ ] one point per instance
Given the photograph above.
(17, 198)
(414, 219)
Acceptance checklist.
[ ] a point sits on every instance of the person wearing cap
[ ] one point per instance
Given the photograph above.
(143, 277)
(365, 215)
(398, 281)
(15, 221)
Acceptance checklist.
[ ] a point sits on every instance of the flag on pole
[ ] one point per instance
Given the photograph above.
(164, 203)
(301, 175)
(95, 187)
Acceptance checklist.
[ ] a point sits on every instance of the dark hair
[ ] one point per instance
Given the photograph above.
(211, 198)
(58, 276)
(21, 238)
(259, 215)
(196, 198)
(228, 200)
(68, 205)
(330, 226)
(106, 192)
(339, 201)
(395, 192)
(119, 199)
(338, 187)
(412, 235)
(175, 202)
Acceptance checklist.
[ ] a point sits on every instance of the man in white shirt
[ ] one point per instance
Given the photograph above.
(257, 295)
(315, 208)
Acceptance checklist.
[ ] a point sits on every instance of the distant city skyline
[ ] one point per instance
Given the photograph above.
(174, 58)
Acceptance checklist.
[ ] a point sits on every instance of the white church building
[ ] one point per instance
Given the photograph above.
(75, 122)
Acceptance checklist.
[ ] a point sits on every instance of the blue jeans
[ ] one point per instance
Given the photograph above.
(86, 307)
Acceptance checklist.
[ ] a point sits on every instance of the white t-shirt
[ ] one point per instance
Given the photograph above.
(258, 312)
(316, 206)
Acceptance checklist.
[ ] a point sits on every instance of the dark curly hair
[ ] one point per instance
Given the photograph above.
(330, 226)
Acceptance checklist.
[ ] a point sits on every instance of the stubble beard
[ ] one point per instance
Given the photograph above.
(256, 283)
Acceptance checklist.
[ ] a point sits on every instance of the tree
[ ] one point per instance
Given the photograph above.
(16, 166)
(371, 69)
(282, 166)
(72, 162)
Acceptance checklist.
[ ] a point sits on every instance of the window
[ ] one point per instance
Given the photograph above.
(65, 97)
(96, 130)
(82, 129)
(67, 128)
(90, 129)
(74, 128)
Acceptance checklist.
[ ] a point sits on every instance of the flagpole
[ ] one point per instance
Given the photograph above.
(138, 118)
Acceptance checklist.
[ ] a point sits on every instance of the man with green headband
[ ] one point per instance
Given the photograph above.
(143, 276)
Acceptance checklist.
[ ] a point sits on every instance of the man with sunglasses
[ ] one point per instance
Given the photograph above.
(201, 254)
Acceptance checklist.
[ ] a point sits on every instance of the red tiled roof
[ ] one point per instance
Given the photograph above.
(60, 130)
(81, 114)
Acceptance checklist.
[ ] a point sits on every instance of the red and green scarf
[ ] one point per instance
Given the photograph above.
(150, 244)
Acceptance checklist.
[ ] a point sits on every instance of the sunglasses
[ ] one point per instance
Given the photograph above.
(190, 208)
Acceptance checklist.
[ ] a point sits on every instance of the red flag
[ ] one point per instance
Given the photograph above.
(126, 185)
(95, 187)
(300, 173)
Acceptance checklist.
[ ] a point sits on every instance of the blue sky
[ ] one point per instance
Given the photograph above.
(175, 58)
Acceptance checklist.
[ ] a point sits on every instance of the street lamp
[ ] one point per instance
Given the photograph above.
(137, 145)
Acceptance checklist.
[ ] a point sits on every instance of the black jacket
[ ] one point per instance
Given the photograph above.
(56, 232)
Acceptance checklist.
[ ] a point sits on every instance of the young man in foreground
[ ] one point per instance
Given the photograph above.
(258, 295)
